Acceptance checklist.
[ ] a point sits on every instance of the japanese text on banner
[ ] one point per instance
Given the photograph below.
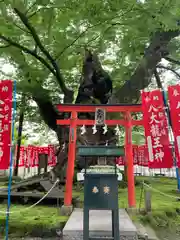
(142, 156)
(156, 130)
(29, 156)
(174, 102)
(6, 88)
(139, 156)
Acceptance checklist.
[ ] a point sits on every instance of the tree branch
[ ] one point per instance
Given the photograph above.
(46, 8)
(141, 78)
(37, 40)
(87, 44)
(26, 50)
(33, 4)
(172, 60)
(71, 44)
(47, 111)
(50, 114)
(158, 80)
(169, 69)
(22, 29)
(5, 46)
(90, 27)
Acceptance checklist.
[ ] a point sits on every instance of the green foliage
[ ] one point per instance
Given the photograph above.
(118, 30)
(23, 138)
(36, 221)
(116, 24)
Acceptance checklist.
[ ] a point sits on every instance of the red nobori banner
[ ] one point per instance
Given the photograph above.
(156, 130)
(174, 103)
(22, 156)
(139, 156)
(51, 155)
(42, 150)
(32, 155)
(6, 93)
(120, 161)
(143, 156)
(35, 158)
(29, 156)
(135, 154)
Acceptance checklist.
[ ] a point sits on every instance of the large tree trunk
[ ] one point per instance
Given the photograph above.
(20, 128)
(95, 87)
(141, 77)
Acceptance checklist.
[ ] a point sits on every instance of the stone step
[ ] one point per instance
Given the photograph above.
(99, 225)
(101, 238)
(145, 232)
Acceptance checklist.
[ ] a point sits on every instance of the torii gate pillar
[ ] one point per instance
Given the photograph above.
(71, 159)
(129, 161)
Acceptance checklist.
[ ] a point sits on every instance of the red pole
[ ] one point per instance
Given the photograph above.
(71, 159)
(130, 165)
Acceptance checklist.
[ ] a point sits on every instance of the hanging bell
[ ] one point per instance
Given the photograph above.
(105, 129)
(94, 129)
(83, 130)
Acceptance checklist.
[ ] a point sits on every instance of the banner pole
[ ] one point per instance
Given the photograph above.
(11, 159)
(170, 132)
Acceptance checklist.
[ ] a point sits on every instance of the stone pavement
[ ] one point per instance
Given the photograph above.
(99, 225)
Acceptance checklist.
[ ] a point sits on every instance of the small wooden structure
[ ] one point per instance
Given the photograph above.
(35, 187)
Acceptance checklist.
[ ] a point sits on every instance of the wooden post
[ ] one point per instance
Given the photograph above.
(130, 164)
(20, 128)
(71, 159)
(147, 198)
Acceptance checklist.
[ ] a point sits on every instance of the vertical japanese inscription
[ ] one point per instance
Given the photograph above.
(100, 116)
(5, 122)
(174, 103)
(156, 129)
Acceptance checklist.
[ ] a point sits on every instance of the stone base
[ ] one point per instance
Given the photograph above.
(132, 211)
(99, 225)
(66, 210)
(145, 232)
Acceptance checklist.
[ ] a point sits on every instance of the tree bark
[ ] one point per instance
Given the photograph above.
(20, 128)
(141, 78)
(158, 80)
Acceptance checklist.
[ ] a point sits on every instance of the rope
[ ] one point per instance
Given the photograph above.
(158, 191)
(27, 208)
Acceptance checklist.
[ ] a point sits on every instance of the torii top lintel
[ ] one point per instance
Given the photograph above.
(92, 108)
(78, 108)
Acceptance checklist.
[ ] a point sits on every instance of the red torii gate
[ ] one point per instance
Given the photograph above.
(73, 122)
